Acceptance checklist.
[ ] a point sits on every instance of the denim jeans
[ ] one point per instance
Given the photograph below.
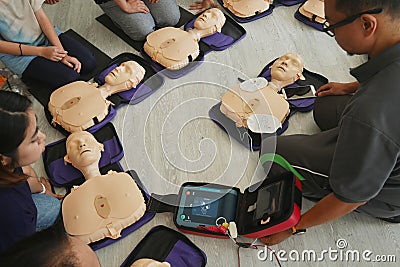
(48, 210)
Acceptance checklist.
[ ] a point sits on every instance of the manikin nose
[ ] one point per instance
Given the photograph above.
(82, 145)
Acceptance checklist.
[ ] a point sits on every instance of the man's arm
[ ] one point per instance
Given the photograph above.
(327, 209)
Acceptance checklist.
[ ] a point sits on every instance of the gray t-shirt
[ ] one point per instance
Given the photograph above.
(366, 162)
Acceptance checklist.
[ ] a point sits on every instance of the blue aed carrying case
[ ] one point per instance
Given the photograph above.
(166, 245)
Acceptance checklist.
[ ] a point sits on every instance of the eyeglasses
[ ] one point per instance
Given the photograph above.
(299, 91)
(329, 29)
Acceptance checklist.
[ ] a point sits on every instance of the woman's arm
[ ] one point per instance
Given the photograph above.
(58, 50)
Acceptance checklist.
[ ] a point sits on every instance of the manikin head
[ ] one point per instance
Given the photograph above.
(149, 263)
(129, 71)
(288, 68)
(83, 150)
(210, 18)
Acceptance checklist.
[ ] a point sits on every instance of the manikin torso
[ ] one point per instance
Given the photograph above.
(314, 10)
(247, 8)
(258, 100)
(75, 106)
(174, 48)
(104, 204)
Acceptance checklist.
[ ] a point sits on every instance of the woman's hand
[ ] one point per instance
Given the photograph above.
(203, 5)
(153, 1)
(135, 6)
(333, 88)
(53, 53)
(49, 192)
(72, 62)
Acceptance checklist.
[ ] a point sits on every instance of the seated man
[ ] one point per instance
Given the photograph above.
(247, 8)
(104, 204)
(75, 106)
(174, 48)
(249, 102)
(355, 164)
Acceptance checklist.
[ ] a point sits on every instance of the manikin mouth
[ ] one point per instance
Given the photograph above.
(84, 151)
(282, 68)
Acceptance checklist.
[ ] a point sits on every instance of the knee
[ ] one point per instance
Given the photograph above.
(169, 19)
(139, 33)
(67, 76)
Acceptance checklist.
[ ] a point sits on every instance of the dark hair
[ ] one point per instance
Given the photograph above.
(48, 248)
(14, 121)
(350, 7)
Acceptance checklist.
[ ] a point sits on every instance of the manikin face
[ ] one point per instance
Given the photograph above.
(83, 149)
(32, 146)
(129, 70)
(210, 18)
(149, 263)
(287, 67)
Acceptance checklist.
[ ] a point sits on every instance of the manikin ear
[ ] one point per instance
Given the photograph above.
(67, 160)
(101, 147)
(369, 24)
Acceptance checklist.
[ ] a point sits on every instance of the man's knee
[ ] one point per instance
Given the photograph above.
(139, 33)
(169, 19)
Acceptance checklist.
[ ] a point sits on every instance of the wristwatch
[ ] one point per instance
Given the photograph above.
(296, 231)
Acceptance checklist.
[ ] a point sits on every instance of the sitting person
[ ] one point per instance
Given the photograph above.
(139, 18)
(174, 48)
(32, 48)
(252, 99)
(50, 247)
(75, 106)
(314, 10)
(354, 163)
(27, 203)
(104, 204)
(247, 8)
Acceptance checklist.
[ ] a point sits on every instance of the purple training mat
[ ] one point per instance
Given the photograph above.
(175, 248)
(307, 21)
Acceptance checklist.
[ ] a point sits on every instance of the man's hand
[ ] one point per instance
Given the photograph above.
(333, 88)
(53, 53)
(72, 62)
(203, 5)
(276, 238)
(153, 1)
(135, 6)
(51, 2)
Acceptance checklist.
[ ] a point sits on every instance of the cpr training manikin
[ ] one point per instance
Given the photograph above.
(78, 105)
(104, 204)
(174, 48)
(256, 104)
(247, 8)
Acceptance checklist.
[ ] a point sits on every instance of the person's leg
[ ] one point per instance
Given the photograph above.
(310, 154)
(165, 12)
(137, 25)
(328, 110)
(76, 49)
(54, 74)
(48, 210)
